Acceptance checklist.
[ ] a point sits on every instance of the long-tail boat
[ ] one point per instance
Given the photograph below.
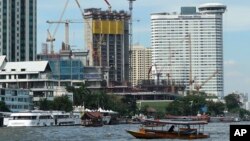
(171, 130)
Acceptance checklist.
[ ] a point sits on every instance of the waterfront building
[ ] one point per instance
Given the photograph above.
(33, 75)
(191, 38)
(18, 29)
(67, 71)
(141, 64)
(16, 99)
(71, 69)
(107, 39)
(76, 54)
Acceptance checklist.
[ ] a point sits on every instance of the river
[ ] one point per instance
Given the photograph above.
(217, 131)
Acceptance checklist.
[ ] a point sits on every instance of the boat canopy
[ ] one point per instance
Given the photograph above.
(177, 122)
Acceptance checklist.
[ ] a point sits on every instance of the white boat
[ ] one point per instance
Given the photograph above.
(66, 119)
(30, 119)
(44, 118)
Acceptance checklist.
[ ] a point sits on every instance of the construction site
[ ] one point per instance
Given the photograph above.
(108, 41)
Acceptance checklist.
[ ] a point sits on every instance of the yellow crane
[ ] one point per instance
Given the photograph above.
(198, 87)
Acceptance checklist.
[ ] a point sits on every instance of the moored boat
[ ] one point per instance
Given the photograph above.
(166, 129)
(66, 119)
(43, 118)
(30, 119)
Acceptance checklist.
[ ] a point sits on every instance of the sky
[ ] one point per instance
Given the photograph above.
(236, 33)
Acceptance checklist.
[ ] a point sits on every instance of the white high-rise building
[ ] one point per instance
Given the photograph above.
(142, 61)
(190, 37)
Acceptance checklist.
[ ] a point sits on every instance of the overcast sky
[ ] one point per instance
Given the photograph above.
(236, 29)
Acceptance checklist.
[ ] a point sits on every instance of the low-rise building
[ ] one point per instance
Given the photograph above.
(17, 99)
(33, 75)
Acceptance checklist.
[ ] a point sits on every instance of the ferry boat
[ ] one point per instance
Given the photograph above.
(171, 130)
(30, 119)
(66, 119)
(43, 118)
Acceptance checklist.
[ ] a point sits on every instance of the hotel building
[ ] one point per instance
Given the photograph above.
(188, 47)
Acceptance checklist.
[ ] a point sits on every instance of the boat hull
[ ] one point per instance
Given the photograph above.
(142, 134)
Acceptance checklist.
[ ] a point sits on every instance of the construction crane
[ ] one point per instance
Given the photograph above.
(66, 22)
(109, 6)
(198, 87)
(51, 37)
(130, 38)
(79, 6)
(190, 64)
(158, 73)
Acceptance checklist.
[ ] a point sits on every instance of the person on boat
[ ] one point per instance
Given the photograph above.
(171, 129)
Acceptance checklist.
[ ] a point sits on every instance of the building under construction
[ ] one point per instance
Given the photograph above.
(107, 38)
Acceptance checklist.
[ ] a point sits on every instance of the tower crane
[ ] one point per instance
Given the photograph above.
(158, 73)
(109, 6)
(66, 22)
(51, 37)
(198, 87)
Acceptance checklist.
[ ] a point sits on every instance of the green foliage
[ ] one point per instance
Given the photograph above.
(93, 100)
(45, 105)
(244, 114)
(189, 105)
(3, 107)
(80, 94)
(215, 108)
(61, 103)
(233, 102)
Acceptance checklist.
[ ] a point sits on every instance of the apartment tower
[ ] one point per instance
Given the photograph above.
(107, 39)
(18, 29)
(188, 47)
(142, 61)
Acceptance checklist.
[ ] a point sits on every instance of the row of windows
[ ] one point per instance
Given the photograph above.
(15, 99)
(18, 106)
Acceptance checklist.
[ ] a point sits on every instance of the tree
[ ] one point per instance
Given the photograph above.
(215, 108)
(189, 105)
(62, 103)
(79, 94)
(45, 104)
(3, 107)
(232, 102)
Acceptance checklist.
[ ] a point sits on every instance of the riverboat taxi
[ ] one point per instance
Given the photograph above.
(170, 130)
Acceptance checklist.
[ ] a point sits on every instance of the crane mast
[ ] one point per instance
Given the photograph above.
(198, 87)
(130, 38)
(109, 6)
(51, 37)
